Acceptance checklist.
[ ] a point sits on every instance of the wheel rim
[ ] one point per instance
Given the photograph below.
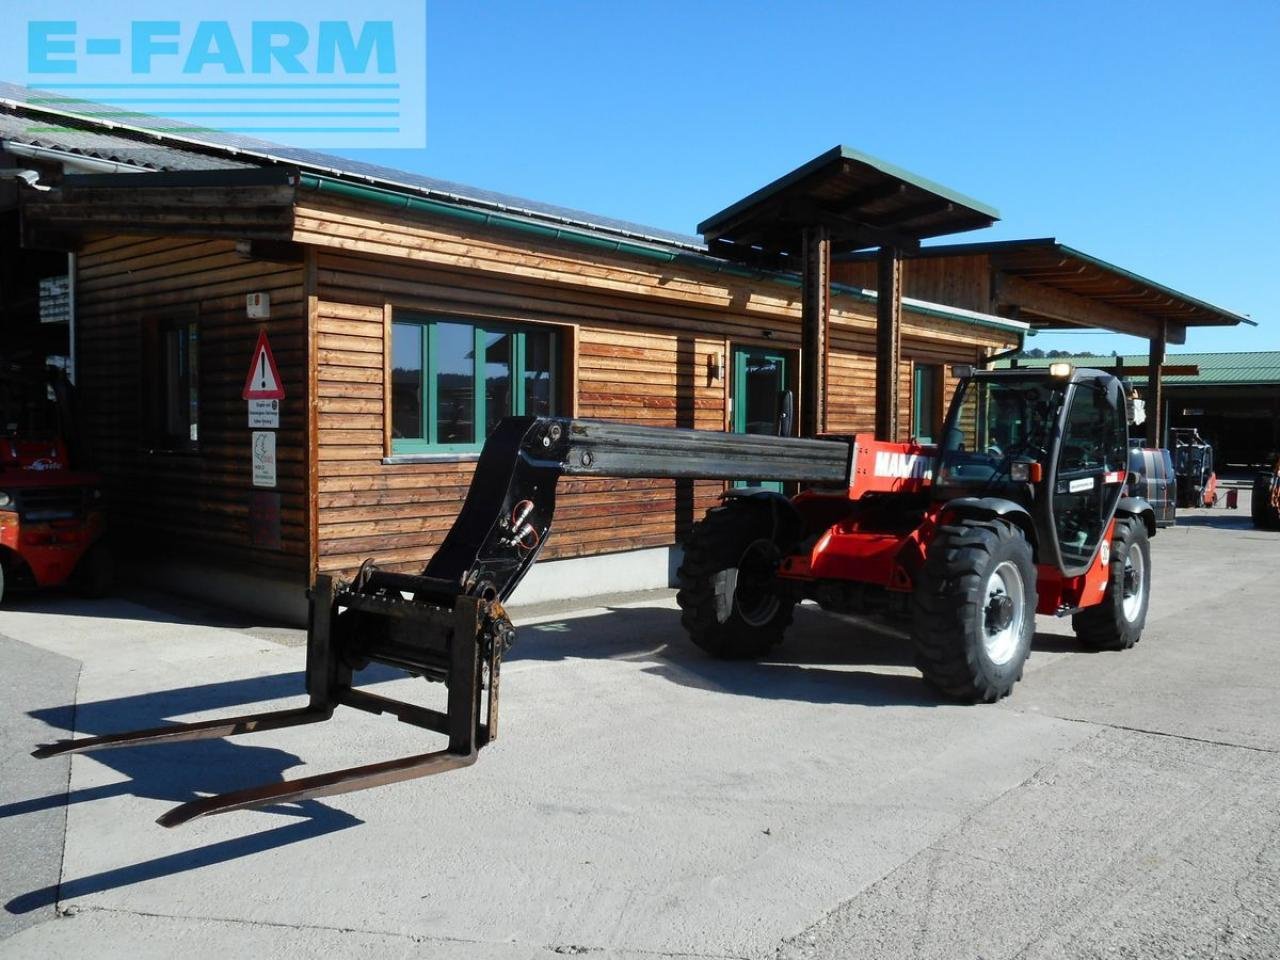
(1135, 584)
(748, 587)
(1003, 613)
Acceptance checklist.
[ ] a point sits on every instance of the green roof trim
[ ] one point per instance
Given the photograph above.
(1238, 369)
(845, 153)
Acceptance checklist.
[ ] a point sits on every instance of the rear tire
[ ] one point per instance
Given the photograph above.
(730, 604)
(974, 609)
(1, 583)
(1116, 623)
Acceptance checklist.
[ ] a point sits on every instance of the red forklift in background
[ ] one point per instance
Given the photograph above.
(51, 516)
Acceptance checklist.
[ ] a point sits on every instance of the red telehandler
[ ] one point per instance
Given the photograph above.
(1019, 510)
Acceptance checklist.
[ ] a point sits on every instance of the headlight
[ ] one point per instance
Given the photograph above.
(6, 500)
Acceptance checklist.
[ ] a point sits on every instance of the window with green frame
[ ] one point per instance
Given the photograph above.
(453, 380)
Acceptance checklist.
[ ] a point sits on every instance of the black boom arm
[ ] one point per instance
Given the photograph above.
(507, 514)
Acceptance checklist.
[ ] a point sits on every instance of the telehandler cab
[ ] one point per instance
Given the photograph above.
(1020, 510)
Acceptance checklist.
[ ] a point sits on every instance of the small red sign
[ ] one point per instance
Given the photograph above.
(263, 382)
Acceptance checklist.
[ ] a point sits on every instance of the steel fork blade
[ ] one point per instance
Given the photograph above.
(322, 785)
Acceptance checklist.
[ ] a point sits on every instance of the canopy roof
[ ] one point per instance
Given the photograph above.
(1049, 263)
(863, 201)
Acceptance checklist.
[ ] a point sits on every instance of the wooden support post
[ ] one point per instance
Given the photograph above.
(1155, 390)
(888, 341)
(815, 319)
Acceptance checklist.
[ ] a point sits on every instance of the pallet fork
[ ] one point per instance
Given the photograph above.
(448, 624)
(449, 652)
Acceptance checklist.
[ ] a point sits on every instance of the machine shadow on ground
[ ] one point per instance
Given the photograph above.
(147, 606)
(180, 772)
(825, 658)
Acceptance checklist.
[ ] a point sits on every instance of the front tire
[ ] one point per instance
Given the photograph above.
(1116, 623)
(974, 609)
(729, 601)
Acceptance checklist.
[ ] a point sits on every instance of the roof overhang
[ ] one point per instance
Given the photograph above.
(862, 201)
(247, 204)
(1053, 286)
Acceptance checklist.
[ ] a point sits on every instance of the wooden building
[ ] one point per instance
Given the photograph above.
(406, 316)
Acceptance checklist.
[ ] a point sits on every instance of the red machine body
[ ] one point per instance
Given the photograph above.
(887, 549)
(51, 517)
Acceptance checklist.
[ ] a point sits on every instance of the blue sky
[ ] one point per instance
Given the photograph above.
(1144, 133)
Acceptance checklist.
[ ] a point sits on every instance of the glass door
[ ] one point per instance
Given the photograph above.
(760, 376)
(926, 407)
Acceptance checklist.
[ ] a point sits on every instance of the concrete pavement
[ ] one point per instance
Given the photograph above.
(645, 801)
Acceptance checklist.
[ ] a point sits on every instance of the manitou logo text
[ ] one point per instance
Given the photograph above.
(905, 466)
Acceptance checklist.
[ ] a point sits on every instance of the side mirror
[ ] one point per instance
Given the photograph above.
(786, 424)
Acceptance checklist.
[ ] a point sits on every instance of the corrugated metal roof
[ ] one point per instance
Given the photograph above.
(1256, 368)
(179, 132)
(104, 146)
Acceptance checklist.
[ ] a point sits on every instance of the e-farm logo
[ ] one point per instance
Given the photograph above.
(304, 74)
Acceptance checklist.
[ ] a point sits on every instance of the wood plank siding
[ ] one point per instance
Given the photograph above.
(639, 341)
(961, 281)
(192, 503)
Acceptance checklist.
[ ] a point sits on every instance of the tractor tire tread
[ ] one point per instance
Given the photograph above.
(1102, 627)
(713, 543)
(952, 597)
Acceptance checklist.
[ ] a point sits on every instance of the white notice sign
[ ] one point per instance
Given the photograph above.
(264, 414)
(264, 458)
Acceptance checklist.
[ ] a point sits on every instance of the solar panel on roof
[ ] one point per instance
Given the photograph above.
(344, 167)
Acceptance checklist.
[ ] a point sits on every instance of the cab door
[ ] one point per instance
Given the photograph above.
(1090, 468)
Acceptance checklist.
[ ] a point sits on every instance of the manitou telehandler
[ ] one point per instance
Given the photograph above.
(1020, 510)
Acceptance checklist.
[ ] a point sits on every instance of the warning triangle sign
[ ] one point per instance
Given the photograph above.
(263, 382)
